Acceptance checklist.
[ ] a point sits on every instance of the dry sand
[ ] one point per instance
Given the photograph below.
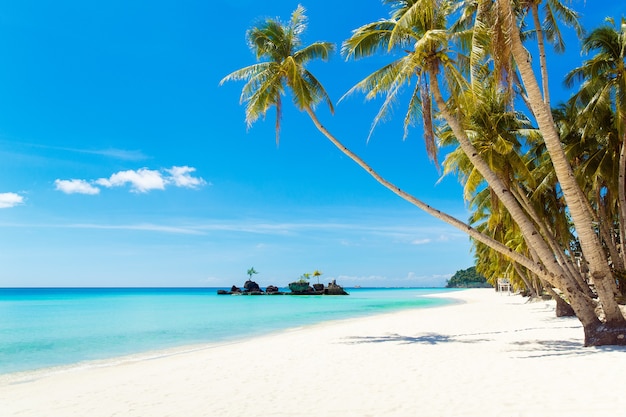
(487, 355)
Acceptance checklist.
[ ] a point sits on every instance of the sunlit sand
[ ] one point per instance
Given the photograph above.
(489, 354)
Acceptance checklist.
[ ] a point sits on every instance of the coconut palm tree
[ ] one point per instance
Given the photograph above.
(593, 145)
(554, 11)
(499, 135)
(419, 28)
(602, 95)
(420, 25)
(280, 44)
(284, 68)
(582, 219)
(251, 272)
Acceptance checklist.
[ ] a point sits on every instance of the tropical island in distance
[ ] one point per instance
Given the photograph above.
(465, 278)
(468, 278)
(299, 287)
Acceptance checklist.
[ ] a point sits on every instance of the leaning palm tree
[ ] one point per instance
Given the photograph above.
(593, 145)
(603, 89)
(582, 219)
(283, 66)
(548, 29)
(420, 29)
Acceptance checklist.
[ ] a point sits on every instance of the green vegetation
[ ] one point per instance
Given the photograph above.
(251, 272)
(546, 186)
(467, 278)
(304, 278)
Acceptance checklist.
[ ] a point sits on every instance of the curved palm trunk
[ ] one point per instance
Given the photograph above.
(548, 234)
(590, 244)
(536, 268)
(527, 227)
(583, 307)
(527, 282)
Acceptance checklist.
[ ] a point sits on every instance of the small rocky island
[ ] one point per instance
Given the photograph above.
(301, 287)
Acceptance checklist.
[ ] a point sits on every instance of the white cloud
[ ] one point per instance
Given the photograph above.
(181, 177)
(8, 200)
(409, 280)
(142, 180)
(76, 187)
(421, 241)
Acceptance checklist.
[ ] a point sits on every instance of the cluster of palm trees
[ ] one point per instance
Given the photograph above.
(546, 185)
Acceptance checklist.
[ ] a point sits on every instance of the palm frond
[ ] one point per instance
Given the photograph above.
(317, 50)
(368, 40)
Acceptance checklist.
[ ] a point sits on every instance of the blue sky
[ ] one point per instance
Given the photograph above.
(124, 163)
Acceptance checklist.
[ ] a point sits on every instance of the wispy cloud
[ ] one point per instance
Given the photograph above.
(434, 280)
(145, 227)
(114, 153)
(141, 227)
(8, 200)
(123, 154)
(411, 279)
(142, 180)
(356, 231)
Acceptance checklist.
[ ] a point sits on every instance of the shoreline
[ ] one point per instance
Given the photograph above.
(18, 377)
(196, 320)
(485, 354)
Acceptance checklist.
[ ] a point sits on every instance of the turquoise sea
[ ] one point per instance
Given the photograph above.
(51, 327)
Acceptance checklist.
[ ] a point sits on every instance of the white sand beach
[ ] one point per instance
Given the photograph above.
(488, 355)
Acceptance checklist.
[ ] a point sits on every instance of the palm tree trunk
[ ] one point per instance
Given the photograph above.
(563, 309)
(542, 53)
(527, 282)
(584, 308)
(536, 268)
(527, 228)
(549, 237)
(600, 271)
(605, 226)
(621, 184)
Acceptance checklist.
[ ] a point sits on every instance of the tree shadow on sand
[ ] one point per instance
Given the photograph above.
(527, 349)
(425, 339)
(553, 348)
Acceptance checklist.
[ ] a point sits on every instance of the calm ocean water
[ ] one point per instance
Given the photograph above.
(42, 328)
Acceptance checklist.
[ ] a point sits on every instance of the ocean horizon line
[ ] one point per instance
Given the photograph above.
(208, 287)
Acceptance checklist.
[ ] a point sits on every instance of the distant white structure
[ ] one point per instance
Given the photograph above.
(504, 285)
